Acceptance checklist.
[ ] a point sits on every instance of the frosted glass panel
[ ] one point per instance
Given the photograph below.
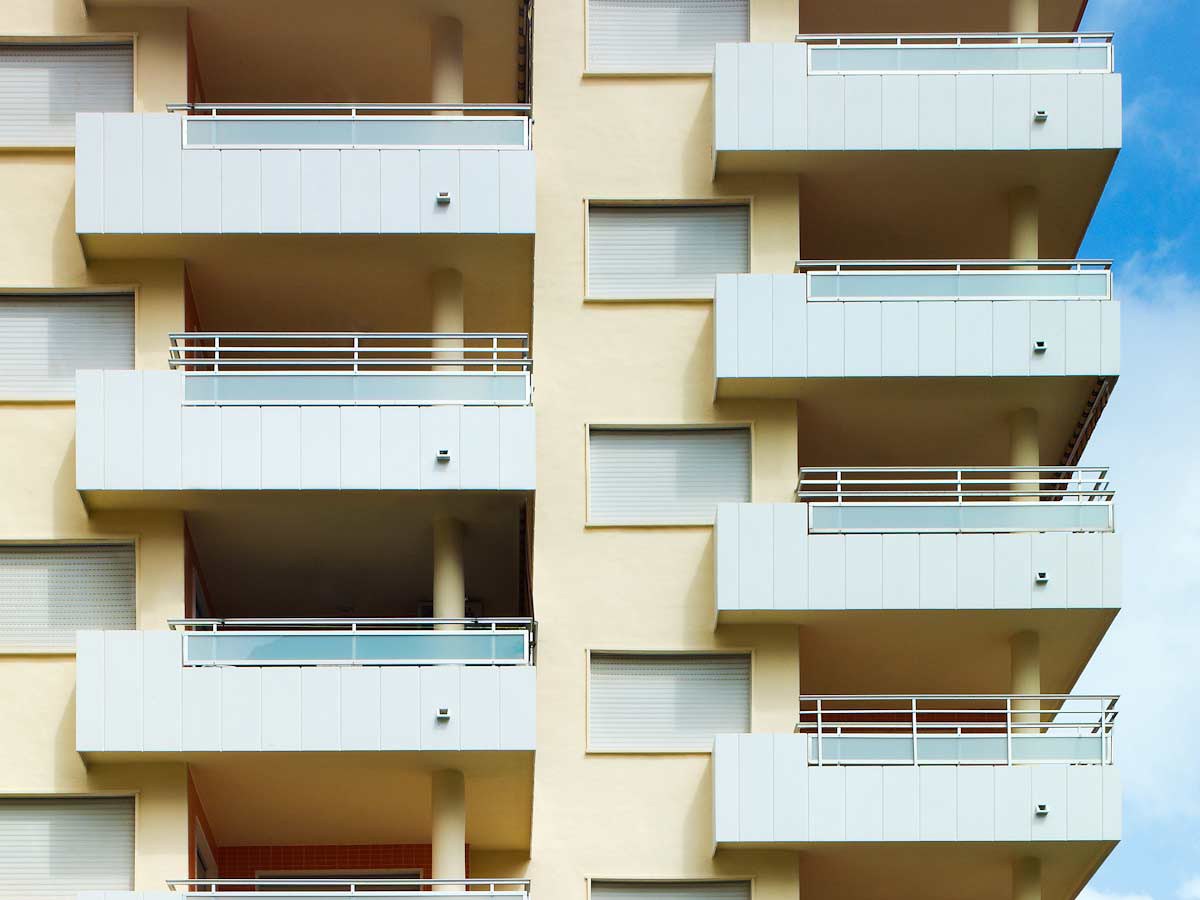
(869, 517)
(369, 647)
(412, 388)
(982, 749)
(954, 285)
(421, 131)
(950, 58)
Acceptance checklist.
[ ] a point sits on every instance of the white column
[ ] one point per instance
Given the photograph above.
(1027, 879)
(449, 576)
(446, 288)
(1023, 16)
(449, 823)
(1024, 450)
(1023, 223)
(1025, 677)
(446, 60)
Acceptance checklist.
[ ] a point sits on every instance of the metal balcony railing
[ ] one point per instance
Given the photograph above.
(476, 126)
(953, 280)
(367, 367)
(1048, 498)
(958, 53)
(301, 887)
(357, 642)
(988, 730)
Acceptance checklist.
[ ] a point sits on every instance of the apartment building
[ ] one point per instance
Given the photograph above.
(774, 579)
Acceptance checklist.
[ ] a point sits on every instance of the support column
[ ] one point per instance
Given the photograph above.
(1023, 223)
(446, 287)
(449, 575)
(449, 827)
(1027, 879)
(1024, 450)
(1025, 677)
(446, 61)
(1023, 16)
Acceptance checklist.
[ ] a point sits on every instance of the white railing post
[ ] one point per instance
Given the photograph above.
(1008, 728)
(820, 736)
(913, 706)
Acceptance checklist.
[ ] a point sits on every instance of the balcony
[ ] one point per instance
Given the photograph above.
(885, 568)
(953, 346)
(322, 411)
(953, 780)
(331, 888)
(1046, 108)
(293, 685)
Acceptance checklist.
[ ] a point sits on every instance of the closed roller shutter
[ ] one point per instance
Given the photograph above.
(670, 890)
(42, 86)
(44, 339)
(48, 592)
(666, 476)
(667, 701)
(56, 847)
(662, 35)
(664, 252)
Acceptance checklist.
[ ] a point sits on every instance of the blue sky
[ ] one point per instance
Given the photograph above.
(1149, 223)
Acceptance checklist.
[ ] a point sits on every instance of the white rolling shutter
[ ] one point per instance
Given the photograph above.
(42, 86)
(664, 252)
(44, 338)
(57, 847)
(50, 591)
(662, 35)
(665, 476)
(670, 890)
(667, 701)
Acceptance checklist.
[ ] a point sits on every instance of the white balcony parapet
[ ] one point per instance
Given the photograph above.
(353, 368)
(304, 169)
(918, 319)
(309, 888)
(356, 642)
(988, 730)
(917, 92)
(923, 539)
(142, 691)
(914, 769)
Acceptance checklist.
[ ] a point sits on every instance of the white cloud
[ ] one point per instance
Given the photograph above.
(1190, 889)
(1091, 894)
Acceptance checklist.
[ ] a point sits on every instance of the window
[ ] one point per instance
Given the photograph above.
(665, 476)
(48, 591)
(662, 35)
(670, 890)
(56, 847)
(664, 252)
(42, 86)
(44, 338)
(666, 701)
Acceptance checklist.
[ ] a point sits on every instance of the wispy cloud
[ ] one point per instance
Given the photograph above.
(1090, 894)
(1190, 889)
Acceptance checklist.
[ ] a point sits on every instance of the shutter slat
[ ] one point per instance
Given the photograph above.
(57, 847)
(664, 252)
(662, 35)
(42, 86)
(50, 591)
(665, 476)
(667, 701)
(44, 339)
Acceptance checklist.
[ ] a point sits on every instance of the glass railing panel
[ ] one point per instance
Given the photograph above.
(1000, 517)
(381, 648)
(268, 648)
(964, 58)
(408, 388)
(444, 646)
(956, 749)
(952, 285)
(1058, 748)
(383, 131)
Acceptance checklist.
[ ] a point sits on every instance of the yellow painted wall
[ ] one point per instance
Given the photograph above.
(39, 250)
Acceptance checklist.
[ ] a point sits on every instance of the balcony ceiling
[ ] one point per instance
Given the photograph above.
(346, 555)
(823, 17)
(365, 50)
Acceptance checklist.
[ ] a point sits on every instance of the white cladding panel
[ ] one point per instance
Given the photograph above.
(661, 35)
(56, 847)
(666, 701)
(759, 320)
(766, 559)
(43, 86)
(134, 694)
(769, 87)
(665, 476)
(134, 175)
(134, 433)
(755, 775)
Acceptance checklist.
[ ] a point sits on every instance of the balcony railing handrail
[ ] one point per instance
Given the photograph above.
(1009, 716)
(206, 352)
(1013, 266)
(352, 109)
(1010, 38)
(483, 624)
(353, 884)
(1079, 484)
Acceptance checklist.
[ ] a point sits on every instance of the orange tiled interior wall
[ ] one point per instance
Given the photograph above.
(246, 862)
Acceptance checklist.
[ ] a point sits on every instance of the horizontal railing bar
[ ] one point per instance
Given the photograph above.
(516, 335)
(519, 108)
(1003, 266)
(514, 622)
(835, 469)
(232, 362)
(325, 880)
(814, 697)
(1075, 37)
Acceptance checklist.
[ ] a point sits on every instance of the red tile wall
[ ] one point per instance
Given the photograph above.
(246, 862)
